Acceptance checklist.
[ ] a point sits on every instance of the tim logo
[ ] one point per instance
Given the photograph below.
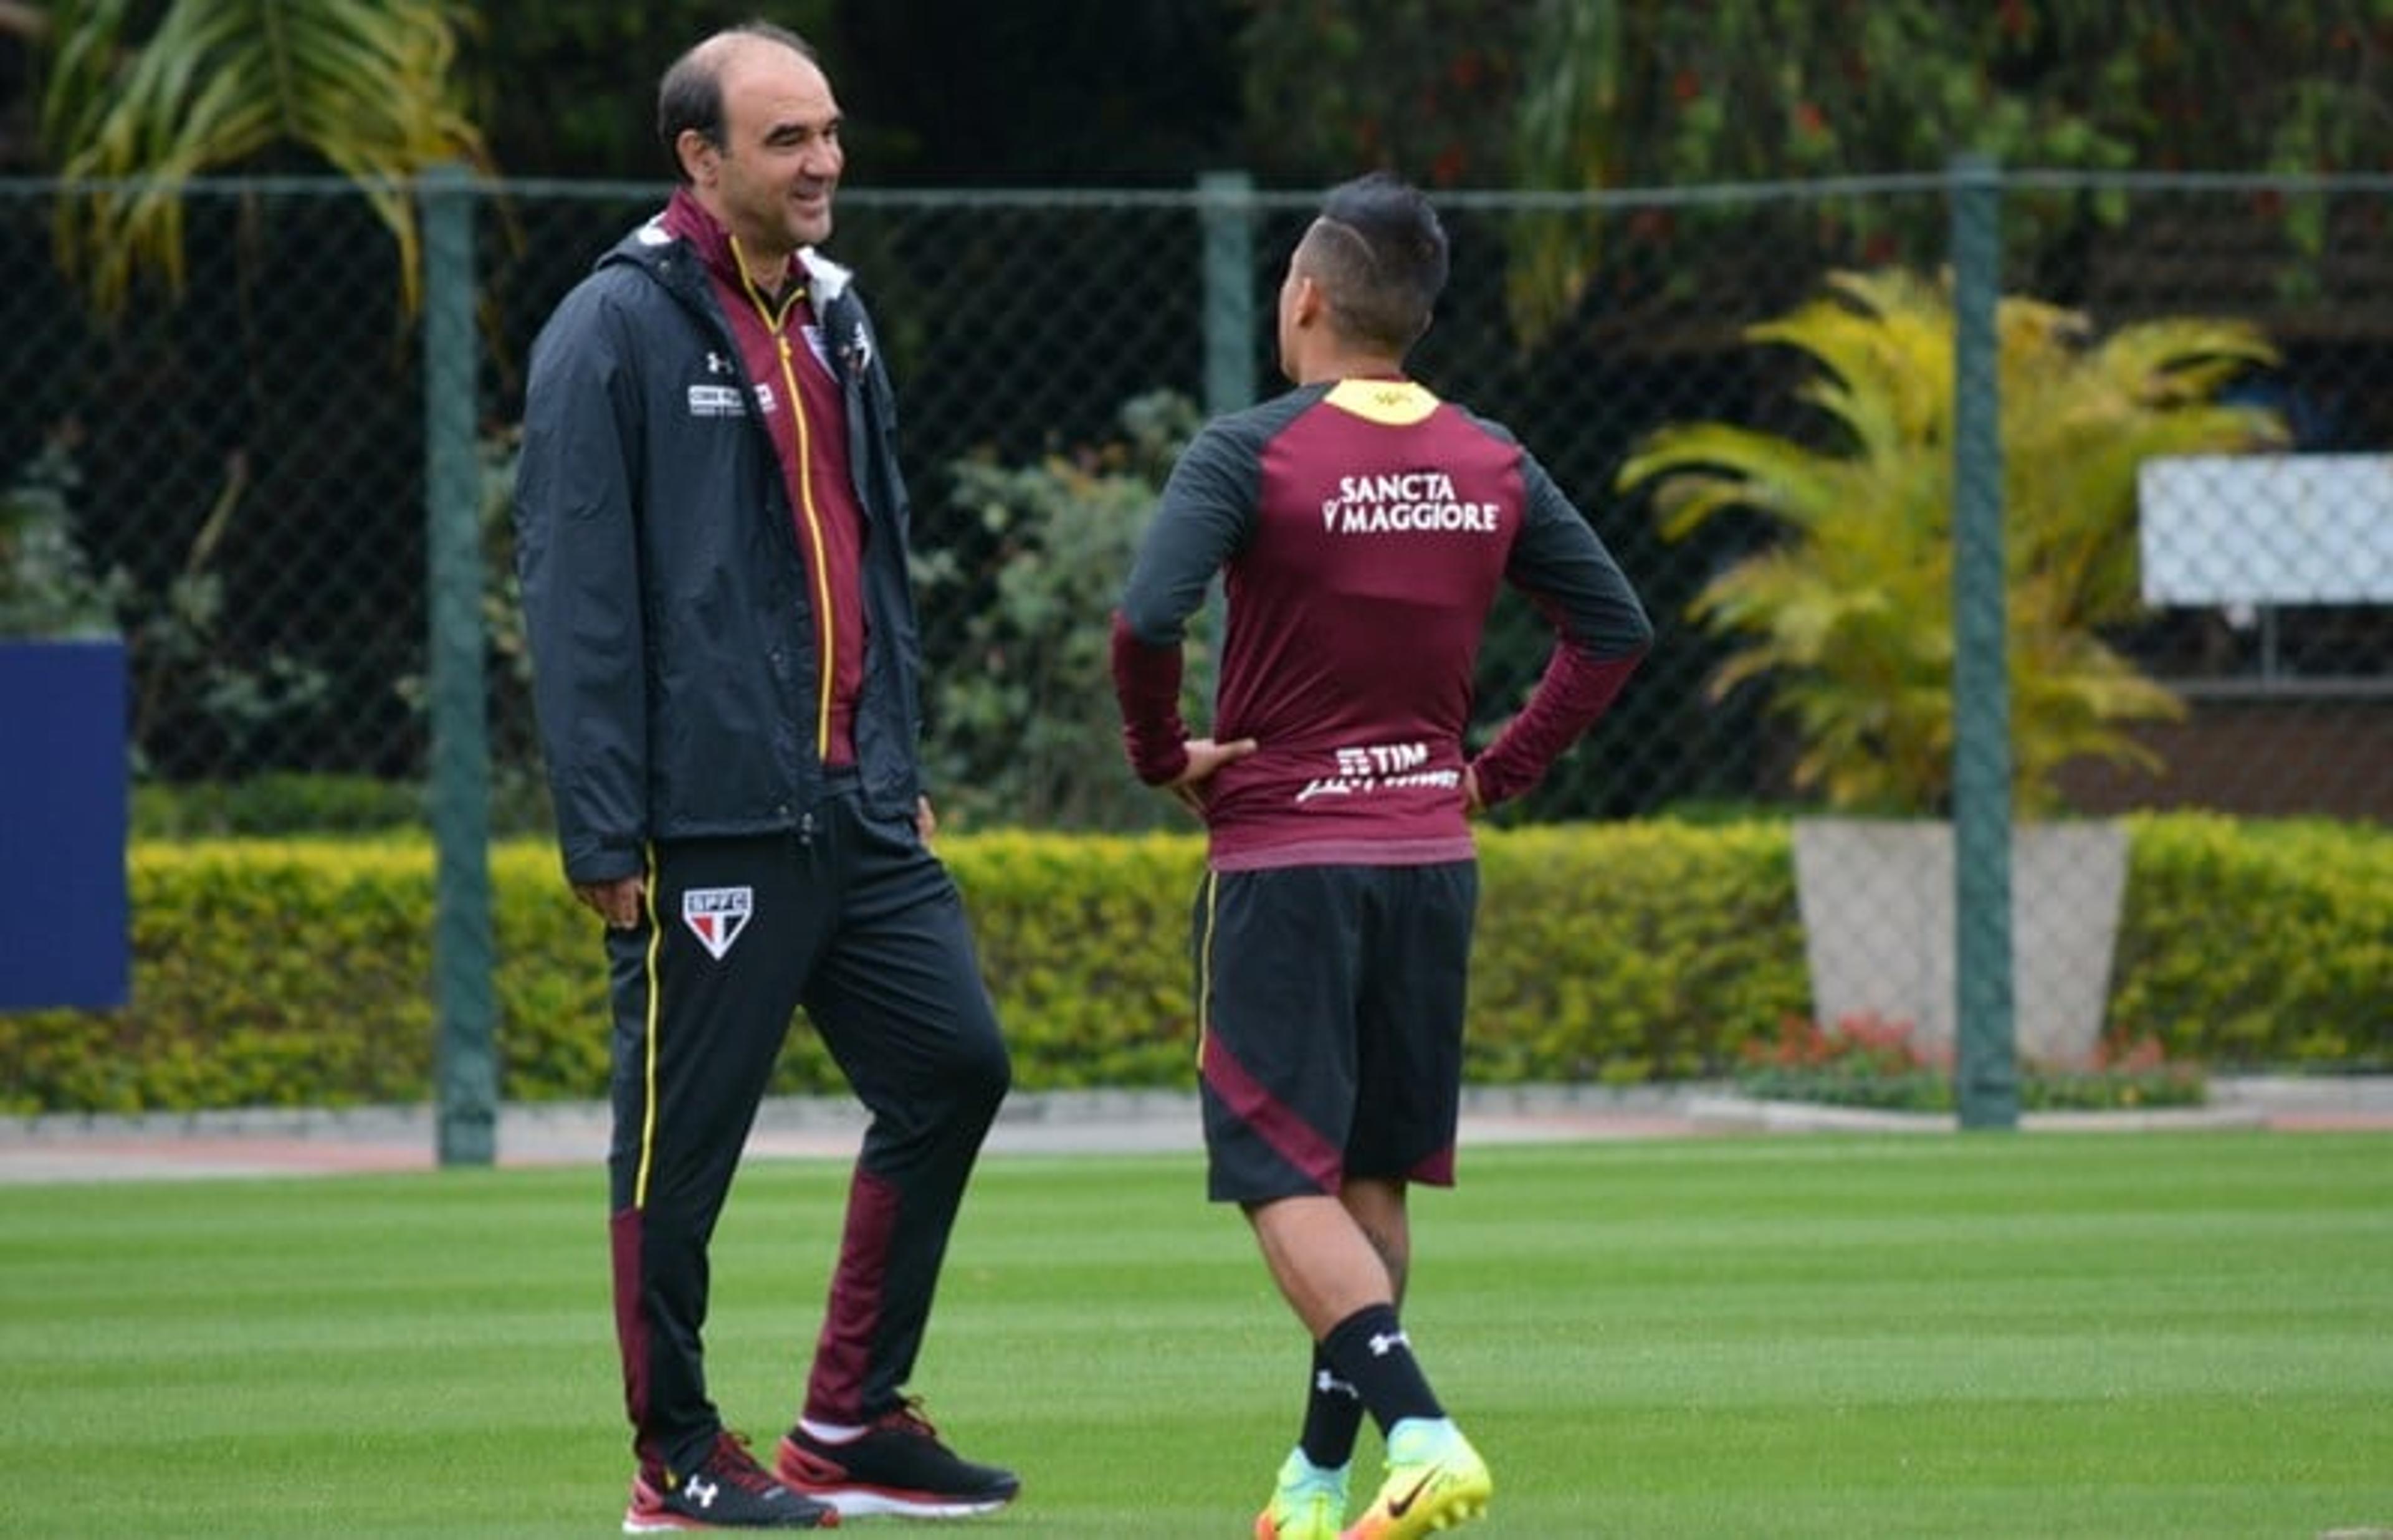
(716, 916)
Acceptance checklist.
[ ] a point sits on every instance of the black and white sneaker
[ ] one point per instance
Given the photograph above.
(895, 1466)
(729, 1491)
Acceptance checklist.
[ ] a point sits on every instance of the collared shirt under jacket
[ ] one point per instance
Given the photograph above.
(664, 585)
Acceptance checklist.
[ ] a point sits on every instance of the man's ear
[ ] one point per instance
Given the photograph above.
(1310, 302)
(698, 156)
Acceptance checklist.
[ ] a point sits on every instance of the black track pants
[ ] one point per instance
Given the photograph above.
(857, 922)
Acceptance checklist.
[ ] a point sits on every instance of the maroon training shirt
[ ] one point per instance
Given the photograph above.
(1364, 529)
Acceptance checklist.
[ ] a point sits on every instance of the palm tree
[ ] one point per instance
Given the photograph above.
(365, 86)
(1850, 615)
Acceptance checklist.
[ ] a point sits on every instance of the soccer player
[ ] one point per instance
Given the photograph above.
(1363, 528)
(712, 543)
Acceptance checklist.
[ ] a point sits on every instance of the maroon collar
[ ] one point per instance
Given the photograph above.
(688, 219)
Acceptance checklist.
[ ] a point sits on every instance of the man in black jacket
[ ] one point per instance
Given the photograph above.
(713, 538)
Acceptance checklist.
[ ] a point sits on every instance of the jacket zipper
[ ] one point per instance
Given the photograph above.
(826, 639)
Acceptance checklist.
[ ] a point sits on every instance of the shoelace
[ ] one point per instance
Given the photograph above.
(906, 1417)
(733, 1463)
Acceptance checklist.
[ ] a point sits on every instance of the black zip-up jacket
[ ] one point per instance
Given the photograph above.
(666, 596)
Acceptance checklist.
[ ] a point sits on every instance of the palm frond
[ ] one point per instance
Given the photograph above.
(1700, 468)
(1850, 616)
(366, 86)
(2179, 360)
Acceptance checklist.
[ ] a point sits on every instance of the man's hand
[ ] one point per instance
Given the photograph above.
(1205, 757)
(926, 823)
(619, 903)
(1473, 803)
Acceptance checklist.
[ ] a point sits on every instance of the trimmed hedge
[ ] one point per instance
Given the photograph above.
(2258, 943)
(1631, 952)
(295, 972)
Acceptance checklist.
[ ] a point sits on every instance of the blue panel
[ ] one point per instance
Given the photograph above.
(65, 936)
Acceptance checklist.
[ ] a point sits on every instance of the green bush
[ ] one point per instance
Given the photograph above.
(275, 806)
(1026, 732)
(263, 974)
(2255, 944)
(281, 805)
(1631, 952)
(297, 973)
(48, 587)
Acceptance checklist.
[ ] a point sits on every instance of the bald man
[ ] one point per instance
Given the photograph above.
(712, 544)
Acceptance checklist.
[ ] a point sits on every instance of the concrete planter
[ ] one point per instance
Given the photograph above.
(1878, 927)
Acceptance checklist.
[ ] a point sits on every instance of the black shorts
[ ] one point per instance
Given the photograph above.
(1330, 1000)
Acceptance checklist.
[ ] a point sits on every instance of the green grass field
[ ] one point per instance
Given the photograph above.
(2145, 1335)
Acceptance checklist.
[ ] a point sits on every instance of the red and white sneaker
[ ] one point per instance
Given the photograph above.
(895, 1466)
(729, 1490)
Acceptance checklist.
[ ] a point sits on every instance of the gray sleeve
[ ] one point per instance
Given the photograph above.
(1204, 516)
(1563, 564)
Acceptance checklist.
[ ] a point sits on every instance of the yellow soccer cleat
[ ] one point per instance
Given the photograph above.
(1436, 1480)
(1309, 1503)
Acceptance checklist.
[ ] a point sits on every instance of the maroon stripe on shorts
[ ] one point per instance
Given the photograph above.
(1274, 1121)
(1434, 1169)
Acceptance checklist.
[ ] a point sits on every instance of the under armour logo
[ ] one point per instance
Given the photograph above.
(1385, 1343)
(1325, 1383)
(716, 363)
(702, 1492)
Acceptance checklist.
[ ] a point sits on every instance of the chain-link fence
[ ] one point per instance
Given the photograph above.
(240, 466)
(2195, 415)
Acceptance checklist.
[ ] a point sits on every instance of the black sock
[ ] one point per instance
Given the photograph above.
(1333, 1416)
(1369, 1350)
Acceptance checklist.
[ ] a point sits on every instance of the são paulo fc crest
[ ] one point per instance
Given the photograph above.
(716, 916)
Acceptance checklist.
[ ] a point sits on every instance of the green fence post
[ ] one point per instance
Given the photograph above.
(1225, 202)
(1985, 1064)
(463, 997)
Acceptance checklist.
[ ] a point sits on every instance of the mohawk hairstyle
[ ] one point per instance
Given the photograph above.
(1379, 254)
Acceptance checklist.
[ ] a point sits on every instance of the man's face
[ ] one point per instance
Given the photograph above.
(780, 159)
